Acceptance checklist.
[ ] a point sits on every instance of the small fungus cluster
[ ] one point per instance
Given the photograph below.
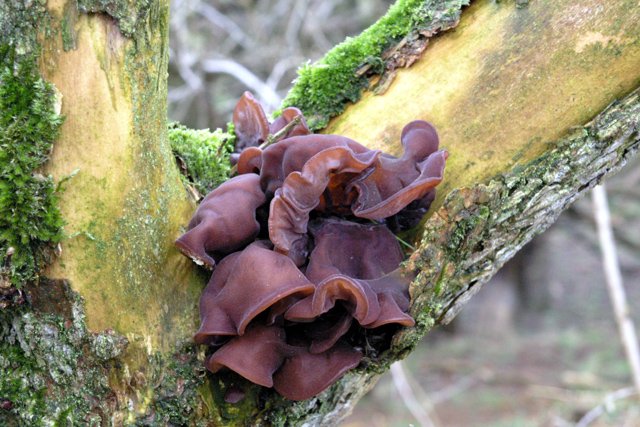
(302, 249)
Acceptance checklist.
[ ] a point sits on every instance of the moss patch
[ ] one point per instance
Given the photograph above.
(324, 88)
(29, 125)
(203, 156)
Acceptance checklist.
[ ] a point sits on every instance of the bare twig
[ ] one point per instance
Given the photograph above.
(260, 88)
(272, 139)
(222, 21)
(614, 283)
(281, 68)
(408, 397)
(270, 38)
(557, 421)
(180, 93)
(607, 406)
(321, 13)
(296, 19)
(449, 392)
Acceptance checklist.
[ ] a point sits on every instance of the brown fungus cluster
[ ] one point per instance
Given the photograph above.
(302, 248)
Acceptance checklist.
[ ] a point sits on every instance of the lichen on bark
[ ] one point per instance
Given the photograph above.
(18, 23)
(127, 13)
(54, 371)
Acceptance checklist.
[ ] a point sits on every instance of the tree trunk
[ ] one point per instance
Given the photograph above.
(523, 98)
(126, 203)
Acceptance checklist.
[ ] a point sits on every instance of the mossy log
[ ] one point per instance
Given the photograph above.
(535, 102)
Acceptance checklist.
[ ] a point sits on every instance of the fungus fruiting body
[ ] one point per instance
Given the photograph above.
(224, 221)
(303, 258)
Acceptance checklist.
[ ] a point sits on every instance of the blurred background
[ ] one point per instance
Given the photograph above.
(538, 345)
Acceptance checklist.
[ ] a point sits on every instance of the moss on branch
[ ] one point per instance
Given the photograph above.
(29, 123)
(59, 372)
(324, 88)
(203, 156)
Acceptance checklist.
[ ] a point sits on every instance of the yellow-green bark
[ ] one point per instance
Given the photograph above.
(126, 204)
(506, 82)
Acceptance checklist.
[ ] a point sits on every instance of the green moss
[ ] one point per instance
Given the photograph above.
(205, 154)
(29, 124)
(324, 88)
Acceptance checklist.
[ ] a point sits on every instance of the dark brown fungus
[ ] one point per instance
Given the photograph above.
(392, 291)
(327, 330)
(210, 332)
(250, 122)
(250, 161)
(305, 375)
(411, 215)
(290, 155)
(252, 127)
(301, 193)
(225, 220)
(360, 300)
(256, 355)
(234, 394)
(248, 283)
(394, 183)
(419, 139)
(356, 264)
(299, 330)
(264, 357)
(361, 251)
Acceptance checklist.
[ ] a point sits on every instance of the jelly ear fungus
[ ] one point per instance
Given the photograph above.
(304, 262)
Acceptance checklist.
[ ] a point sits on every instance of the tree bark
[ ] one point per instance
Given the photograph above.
(126, 203)
(524, 99)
